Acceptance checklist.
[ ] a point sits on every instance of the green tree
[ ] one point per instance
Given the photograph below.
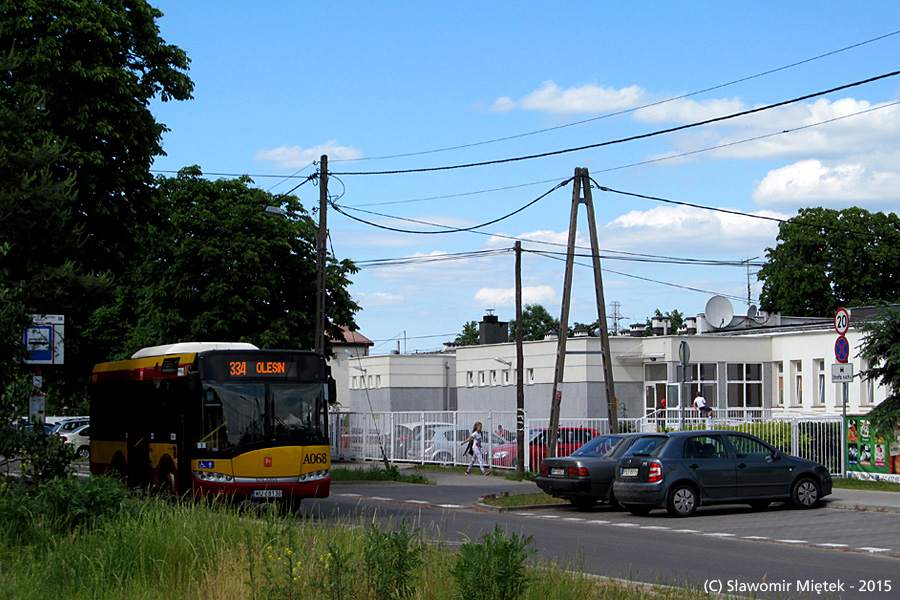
(219, 269)
(828, 258)
(470, 335)
(536, 323)
(77, 140)
(881, 349)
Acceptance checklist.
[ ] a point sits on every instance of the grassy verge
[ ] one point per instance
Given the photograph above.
(376, 474)
(148, 548)
(534, 499)
(860, 484)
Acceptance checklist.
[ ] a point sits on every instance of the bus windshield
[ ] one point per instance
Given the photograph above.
(236, 414)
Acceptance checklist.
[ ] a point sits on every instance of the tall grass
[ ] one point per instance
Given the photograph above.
(148, 548)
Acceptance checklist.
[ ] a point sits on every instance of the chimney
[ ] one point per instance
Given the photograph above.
(492, 331)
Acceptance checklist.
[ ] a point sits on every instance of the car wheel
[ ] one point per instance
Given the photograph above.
(683, 501)
(583, 502)
(84, 452)
(638, 509)
(806, 493)
(760, 504)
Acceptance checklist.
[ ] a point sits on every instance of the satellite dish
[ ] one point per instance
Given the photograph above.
(719, 312)
(751, 312)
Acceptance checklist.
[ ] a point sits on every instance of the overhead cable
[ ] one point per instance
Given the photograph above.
(632, 138)
(624, 111)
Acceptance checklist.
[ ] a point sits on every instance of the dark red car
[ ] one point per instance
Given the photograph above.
(570, 439)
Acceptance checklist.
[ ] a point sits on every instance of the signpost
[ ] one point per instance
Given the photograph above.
(842, 372)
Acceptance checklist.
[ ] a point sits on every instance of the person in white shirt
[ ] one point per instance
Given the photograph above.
(700, 404)
(475, 438)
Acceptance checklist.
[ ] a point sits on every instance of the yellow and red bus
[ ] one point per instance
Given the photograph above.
(215, 419)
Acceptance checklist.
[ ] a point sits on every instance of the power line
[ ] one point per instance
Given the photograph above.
(633, 137)
(624, 111)
(450, 230)
(748, 215)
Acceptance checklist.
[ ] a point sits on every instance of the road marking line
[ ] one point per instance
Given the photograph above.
(832, 545)
(654, 527)
(875, 550)
(573, 519)
(686, 531)
(626, 525)
(451, 505)
(599, 522)
(382, 499)
(350, 495)
(724, 535)
(417, 501)
(550, 516)
(756, 537)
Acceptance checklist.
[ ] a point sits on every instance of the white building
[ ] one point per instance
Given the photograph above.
(786, 368)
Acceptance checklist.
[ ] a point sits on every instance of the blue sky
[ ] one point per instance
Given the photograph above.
(396, 86)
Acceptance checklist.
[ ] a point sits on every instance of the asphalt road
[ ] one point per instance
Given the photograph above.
(776, 553)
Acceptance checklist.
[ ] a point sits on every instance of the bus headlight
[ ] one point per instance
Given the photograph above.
(314, 476)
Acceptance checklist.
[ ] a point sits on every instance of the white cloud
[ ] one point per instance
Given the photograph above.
(296, 157)
(684, 231)
(497, 297)
(821, 128)
(809, 181)
(543, 235)
(587, 99)
(685, 110)
(375, 299)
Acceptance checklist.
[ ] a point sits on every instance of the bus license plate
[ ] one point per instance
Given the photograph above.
(266, 494)
(629, 472)
(559, 472)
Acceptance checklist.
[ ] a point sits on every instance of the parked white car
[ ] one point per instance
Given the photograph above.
(64, 426)
(445, 445)
(80, 438)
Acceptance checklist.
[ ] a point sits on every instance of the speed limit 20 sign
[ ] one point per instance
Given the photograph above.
(842, 321)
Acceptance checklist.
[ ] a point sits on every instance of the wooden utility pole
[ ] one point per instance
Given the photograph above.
(581, 183)
(321, 254)
(520, 369)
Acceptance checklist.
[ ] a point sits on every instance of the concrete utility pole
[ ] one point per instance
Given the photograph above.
(520, 369)
(321, 254)
(581, 182)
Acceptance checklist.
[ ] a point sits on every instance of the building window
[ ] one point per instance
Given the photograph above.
(505, 377)
(798, 383)
(867, 386)
(744, 385)
(820, 392)
(482, 378)
(780, 394)
(702, 378)
(529, 377)
(470, 379)
(378, 382)
(494, 380)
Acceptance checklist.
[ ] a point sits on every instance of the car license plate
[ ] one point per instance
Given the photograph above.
(558, 472)
(266, 494)
(629, 472)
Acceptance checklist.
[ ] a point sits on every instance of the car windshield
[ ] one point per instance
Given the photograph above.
(604, 446)
(646, 446)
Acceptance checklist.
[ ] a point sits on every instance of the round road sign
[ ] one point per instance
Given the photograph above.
(842, 349)
(842, 321)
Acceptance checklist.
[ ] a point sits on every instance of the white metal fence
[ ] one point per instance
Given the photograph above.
(398, 436)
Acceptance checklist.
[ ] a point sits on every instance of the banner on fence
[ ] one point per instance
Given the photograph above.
(868, 455)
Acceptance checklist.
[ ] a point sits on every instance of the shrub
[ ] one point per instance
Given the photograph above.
(493, 568)
(390, 559)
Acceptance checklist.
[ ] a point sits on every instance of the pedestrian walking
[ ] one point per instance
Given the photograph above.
(474, 442)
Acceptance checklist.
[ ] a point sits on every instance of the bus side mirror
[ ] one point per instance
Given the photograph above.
(332, 391)
(193, 381)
